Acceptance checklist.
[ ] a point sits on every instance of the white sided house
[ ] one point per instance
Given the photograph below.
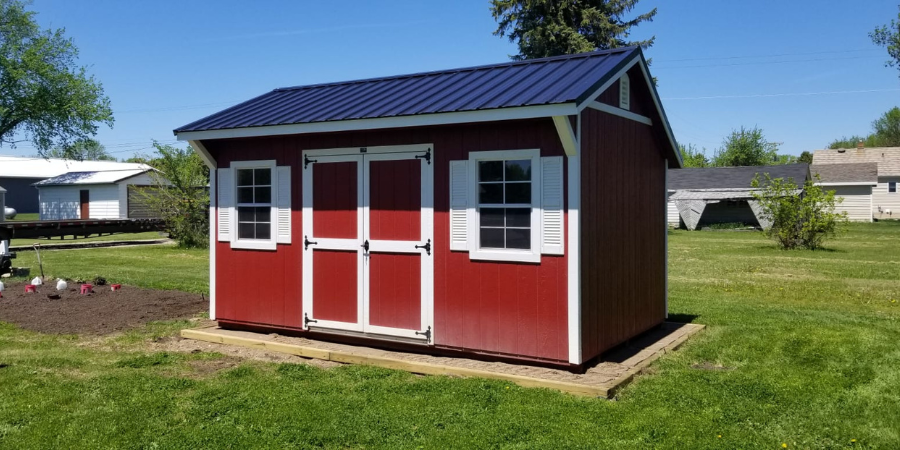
(108, 194)
(852, 184)
(885, 195)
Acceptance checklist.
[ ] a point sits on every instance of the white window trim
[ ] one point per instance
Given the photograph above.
(255, 244)
(474, 217)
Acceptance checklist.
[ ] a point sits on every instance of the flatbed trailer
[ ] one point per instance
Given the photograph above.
(77, 229)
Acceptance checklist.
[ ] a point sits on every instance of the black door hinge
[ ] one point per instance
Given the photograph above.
(426, 156)
(426, 333)
(307, 161)
(307, 320)
(427, 247)
(307, 242)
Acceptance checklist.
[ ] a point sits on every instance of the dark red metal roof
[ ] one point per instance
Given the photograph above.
(546, 81)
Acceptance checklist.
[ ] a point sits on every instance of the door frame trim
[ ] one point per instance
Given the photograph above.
(379, 153)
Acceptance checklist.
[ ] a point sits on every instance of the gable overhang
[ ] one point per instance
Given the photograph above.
(420, 120)
(587, 99)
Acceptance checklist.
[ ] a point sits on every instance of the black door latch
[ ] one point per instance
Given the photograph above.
(365, 246)
(427, 247)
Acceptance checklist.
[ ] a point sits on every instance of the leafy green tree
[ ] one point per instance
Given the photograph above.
(798, 218)
(888, 36)
(544, 28)
(805, 157)
(851, 142)
(785, 159)
(45, 97)
(746, 147)
(180, 195)
(887, 128)
(84, 150)
(691, 156)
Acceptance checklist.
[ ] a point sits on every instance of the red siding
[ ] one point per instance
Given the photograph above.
(395, 292)
(485, 307)
(334, 200)
(396, 200)
(335, 283)
(623, 220)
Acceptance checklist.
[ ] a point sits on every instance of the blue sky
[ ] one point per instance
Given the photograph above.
(797, 69)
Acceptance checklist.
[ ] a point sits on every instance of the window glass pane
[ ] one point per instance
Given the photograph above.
(518, 193)
(892, 186)
(262, 176)
(518, 170)
(491, 217)
(518, 238)
(245, 177)
(245, 195)
(490, 171)
(263, 230)
(246, 214)
(492, 238)
(490, 193)
(246, 230)
(518, 217)
(263, 214)
(263, 195)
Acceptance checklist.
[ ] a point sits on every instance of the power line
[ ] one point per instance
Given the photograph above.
(784, 94)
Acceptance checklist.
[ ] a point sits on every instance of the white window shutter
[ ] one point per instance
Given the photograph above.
(459, 203)
(225, 204)
(552, 217)
(625, 92)
(283, 217)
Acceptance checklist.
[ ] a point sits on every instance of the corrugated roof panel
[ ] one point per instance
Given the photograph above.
(545, 81)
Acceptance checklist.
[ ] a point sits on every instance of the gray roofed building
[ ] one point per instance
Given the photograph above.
(845, 173)
(732, 177)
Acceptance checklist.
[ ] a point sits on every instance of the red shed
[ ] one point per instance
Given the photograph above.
(515, 211)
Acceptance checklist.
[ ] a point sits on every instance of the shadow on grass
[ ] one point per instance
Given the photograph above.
(775, 248)
(682, 318)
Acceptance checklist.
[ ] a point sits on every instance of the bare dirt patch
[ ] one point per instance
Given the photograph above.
(231, 352)
(102, 312)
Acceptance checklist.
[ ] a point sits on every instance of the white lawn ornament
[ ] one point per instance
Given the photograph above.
(2, 287)
(37, 281)
(61, 285)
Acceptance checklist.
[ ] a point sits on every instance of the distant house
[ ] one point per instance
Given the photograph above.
(853, 183)
(711, 195)
(885, 197)
(18, 175)
(111, 194)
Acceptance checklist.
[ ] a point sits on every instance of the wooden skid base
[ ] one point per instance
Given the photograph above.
(264, 342)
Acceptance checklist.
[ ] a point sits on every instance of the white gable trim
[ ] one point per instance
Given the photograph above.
(490, 115)
(620, 112)
(204, 153)
(566, 134)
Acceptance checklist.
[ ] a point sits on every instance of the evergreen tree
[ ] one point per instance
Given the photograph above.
(544, 28)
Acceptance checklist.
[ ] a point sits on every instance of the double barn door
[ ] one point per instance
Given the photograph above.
(368, 237)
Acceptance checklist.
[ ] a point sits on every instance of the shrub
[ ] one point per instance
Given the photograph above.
(798, 218)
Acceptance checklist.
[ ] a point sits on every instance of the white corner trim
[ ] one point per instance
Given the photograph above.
(573, 275)
(666, 230)
(213, 194)
(489, 115)
(566, 134)
(204, 153)
(620, 112)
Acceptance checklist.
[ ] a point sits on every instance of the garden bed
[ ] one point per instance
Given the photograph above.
(101, 312)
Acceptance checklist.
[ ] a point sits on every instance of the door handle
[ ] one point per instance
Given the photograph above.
(427, 247)
(365, 246)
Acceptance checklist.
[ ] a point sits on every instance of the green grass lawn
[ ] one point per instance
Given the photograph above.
(807, 341)
(26, 217)
(147, 235)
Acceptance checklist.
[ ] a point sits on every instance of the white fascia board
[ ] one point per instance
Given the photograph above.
(491, 115)
(853, 183)
(203, 153)
(624, 113)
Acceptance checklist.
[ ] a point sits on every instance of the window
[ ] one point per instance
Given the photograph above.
(254, 204)
(892, 186)
(504, 195)
(504, 203)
